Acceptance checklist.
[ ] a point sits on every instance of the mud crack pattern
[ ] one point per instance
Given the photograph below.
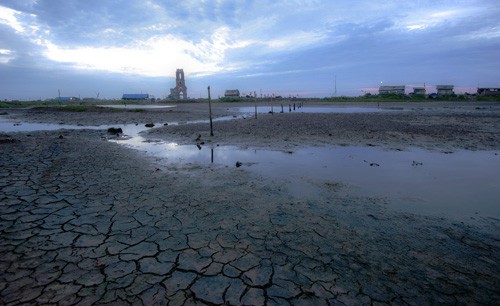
(83, 221)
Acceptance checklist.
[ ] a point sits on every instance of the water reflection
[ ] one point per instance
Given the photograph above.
(311, 109)
(462, 184)
(465, 183)
(7, 125)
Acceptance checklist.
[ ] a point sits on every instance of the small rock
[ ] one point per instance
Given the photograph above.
(113, 130)
(149, 125)
(415, 163)
(239, 164)
(61, 136)
(374, 165)
(165, 124)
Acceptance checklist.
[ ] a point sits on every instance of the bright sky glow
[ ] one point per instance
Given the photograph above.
(8, 17)
(281, 47)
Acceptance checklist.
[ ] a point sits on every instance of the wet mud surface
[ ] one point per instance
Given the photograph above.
(442, 129)
(85, 221)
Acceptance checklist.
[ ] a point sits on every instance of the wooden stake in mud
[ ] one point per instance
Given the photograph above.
(255, 101)
(272, 109)
(210, 112)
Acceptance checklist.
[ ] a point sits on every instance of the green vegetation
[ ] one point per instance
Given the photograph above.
(87, 105)
(497, 98)
(19, 104)
(70, 108)
(231, 99)
(78, 108)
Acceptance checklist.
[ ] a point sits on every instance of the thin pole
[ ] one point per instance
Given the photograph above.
(255, 101)
(210, 112)
(272, 109)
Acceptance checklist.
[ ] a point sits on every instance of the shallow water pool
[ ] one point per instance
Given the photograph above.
(7, 125)
(461, 184)
(309, 109)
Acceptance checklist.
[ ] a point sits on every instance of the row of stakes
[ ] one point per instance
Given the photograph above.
(298, 105)
(295, 106)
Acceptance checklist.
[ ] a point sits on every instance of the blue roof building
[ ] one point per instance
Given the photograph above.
(135, 97)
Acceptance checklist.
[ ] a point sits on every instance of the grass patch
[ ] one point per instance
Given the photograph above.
(75, 108)
(231, 99)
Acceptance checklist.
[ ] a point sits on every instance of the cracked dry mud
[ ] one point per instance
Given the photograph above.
(84, 221)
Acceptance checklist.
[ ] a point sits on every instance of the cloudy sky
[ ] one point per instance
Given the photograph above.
(292, 47)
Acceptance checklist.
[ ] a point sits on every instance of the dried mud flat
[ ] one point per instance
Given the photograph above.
(87, 221)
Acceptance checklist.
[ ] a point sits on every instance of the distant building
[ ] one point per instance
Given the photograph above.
(488, 91)
(233, 93)
(419, 91)
(135, 97)
(445, 90)
(392, 90)
(180, 88)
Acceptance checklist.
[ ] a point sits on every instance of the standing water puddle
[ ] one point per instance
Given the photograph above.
(311, 109)
(463, 184)
(17, 126)
(460, 184)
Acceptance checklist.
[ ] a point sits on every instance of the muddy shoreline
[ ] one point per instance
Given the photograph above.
(434, 125)
(84, 220)
(435, 130)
